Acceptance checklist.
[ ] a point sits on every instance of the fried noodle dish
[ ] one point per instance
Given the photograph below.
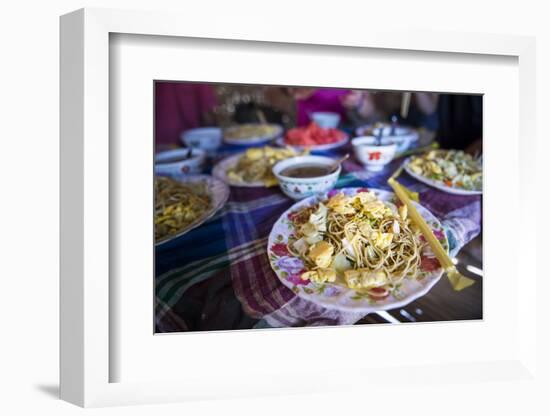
(358, 241)
(177, 206)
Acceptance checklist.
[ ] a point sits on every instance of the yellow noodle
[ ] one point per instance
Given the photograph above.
(177, 206)
(399, 260)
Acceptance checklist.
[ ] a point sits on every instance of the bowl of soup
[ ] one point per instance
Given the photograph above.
(303, 176)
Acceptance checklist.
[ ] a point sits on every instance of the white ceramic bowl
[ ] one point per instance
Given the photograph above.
(326, 119)
(372, 156)
(172, 162)
(299, 188)
(403, 137)
(205, 138)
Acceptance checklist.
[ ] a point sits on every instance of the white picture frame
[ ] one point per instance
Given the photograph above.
(86, 353)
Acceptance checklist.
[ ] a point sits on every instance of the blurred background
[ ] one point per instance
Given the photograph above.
(453, 120)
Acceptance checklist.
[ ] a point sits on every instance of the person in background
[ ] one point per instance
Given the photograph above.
(310, 100)
(181, 106)
(460, 122)
(281, 100)
(368, 107)
(272, 104)
(361, 108)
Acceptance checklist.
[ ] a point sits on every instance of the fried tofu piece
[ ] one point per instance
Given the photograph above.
(320, 276)
(364, 279)
(321, 254)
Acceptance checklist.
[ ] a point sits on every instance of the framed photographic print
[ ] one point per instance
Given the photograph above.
(281, 213)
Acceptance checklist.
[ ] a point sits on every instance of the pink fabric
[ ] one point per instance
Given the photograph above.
(180, 106)
(323, 99)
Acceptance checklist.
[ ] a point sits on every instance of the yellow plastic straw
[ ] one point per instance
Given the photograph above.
(458, 281)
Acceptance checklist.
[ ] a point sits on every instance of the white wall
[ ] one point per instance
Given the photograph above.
(29, 174)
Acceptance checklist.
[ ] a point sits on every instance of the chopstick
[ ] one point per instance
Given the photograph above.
(261, 116)
(432, 146)
(458, 281)
(405, 104)
(412, 195)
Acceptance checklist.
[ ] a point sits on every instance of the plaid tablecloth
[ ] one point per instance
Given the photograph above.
(223, 265)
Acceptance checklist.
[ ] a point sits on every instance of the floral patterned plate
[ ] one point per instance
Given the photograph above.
(289, 268)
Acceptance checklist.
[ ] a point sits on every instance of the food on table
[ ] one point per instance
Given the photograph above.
(255, 165)
(357, 241)
(452, 168)
(250, 131)
(313, 135)
(177, 205)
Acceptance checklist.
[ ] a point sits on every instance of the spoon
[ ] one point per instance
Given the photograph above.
(379, 136)
(393, 125)
(335, 165)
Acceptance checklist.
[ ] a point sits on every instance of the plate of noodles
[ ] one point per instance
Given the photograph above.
(355, 250)
(452, 171)
(185, 202)
(252, 133)
(253, 167)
